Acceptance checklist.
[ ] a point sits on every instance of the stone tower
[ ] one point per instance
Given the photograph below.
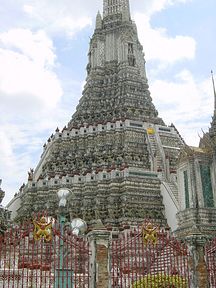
(116, 155)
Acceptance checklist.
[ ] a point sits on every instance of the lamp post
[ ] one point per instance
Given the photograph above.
(63, 276)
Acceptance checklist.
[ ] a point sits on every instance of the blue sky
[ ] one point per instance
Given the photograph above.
(43, 55)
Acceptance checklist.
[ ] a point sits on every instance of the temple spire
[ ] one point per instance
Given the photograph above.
(111, 7)
(98, 21)
(214, 90)
(212, 130)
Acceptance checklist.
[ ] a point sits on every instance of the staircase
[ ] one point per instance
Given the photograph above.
(156, 155)
(174, 188)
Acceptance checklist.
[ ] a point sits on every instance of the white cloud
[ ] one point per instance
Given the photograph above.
(6, 152)
(26, 74)
(61, 16)
(28, 9)
(185, 102)
(36, 46)
(159, 46)
(153, 6)
(29, 93)
(73, 25)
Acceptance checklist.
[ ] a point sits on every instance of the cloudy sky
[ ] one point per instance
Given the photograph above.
(43, 55)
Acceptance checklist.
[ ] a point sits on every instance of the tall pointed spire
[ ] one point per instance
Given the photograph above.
(115, 58)
(112, 7)
(212, 130)
(214, 90)
(98, 21)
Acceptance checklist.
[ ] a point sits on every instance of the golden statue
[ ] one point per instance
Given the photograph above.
(150, 233)
(42, 229)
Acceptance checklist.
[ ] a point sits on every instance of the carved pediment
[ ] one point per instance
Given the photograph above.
(207, 143)
(190, 151)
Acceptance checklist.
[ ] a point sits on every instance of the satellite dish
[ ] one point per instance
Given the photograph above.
(78, 226)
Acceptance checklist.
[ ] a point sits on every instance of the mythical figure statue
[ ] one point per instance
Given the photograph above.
(30, 174)
(149, 233)
(42, 229)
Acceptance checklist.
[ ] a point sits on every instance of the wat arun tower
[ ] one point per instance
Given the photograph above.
(116, 155)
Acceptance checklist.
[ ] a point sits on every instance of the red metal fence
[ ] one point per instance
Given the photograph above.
(149, 257)
(38, 255)
(210, 254)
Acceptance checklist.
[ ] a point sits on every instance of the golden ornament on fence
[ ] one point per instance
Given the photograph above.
(150, 233)
(42, 229)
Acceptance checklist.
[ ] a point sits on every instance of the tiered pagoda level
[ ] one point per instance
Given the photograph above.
(116, 152)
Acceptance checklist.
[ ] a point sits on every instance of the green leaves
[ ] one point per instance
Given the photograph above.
(161, 280)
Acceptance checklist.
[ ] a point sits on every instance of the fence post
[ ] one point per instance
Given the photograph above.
(198, 266)
(99, 241)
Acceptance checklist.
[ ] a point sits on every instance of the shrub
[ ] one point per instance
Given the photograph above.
(161, 280)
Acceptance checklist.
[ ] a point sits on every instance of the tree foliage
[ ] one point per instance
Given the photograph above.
(161, 280)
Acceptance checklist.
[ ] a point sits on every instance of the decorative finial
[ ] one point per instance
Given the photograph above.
(30, 174)
(214, 90)
(98, 21)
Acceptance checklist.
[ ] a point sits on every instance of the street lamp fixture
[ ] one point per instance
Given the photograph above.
(62, 195)
(63, 277)
(78, 226)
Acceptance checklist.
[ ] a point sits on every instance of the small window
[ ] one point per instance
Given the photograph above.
(67, 180)
(111, 126)
(165, 129)
(84, 131)
(102, 127)
(186, 188)
(130, 48)
(208, 197)
(44, 183)
(76, 132)
(80, 179)
(92, 177)
(104, 176)
(94, 129)
(136, 125)
(56, 182)
(68, 134)
(117, 174)
(121, 124)
(131, 60)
